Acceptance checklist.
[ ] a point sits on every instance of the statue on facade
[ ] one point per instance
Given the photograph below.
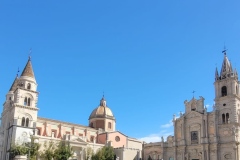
(186, 156)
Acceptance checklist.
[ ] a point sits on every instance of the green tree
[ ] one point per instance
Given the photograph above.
(89, 153)
(105, 153)
(25, 149)
(63, 151)
(18, 150)
(48, 151)
(33, 148)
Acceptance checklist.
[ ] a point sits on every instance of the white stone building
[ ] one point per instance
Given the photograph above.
(20, 117)
(202, 135)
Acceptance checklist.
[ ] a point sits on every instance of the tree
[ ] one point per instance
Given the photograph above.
(18, 150)
(105, 153)
(33, 149)
(63, 151)
(89, 153)
(48, 152)
(25, 149)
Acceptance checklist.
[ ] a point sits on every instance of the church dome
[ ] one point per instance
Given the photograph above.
(102, 111)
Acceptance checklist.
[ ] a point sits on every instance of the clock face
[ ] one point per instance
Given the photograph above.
(24, 134)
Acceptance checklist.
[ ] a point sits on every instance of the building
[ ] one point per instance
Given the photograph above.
(202, 135)
(20, 117)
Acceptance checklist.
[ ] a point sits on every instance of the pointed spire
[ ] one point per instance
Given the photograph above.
(15, 82)
(216, 74)
(14, 85)
(28, 70)
(226, 67)
(235, 72)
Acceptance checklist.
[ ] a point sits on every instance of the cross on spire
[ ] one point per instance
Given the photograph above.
(29, 54)
(224, 49)
(193, 92)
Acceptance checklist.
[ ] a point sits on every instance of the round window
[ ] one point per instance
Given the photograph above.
(117, 138)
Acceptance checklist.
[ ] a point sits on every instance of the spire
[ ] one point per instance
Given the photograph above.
(28, 70)
(14, 85)
(216, 74)
(226, 67)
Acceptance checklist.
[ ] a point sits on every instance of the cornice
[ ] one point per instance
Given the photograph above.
(26, 107)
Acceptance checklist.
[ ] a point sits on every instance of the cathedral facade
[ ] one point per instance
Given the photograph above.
(202, 135)
(20, 120)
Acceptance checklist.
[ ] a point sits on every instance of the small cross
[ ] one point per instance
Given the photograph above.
(224, 49)
(193, 92)
(30, 52)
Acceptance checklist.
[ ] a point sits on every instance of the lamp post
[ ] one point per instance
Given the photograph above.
(29, 141)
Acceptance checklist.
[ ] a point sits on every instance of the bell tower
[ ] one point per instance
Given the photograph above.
(19, 115)
(227, 98)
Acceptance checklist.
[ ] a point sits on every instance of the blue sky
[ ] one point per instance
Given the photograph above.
(146, 56)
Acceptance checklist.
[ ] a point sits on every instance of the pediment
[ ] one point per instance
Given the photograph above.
(79, 140)
(193, 114)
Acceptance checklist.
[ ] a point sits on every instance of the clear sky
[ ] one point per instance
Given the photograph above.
(147, 56)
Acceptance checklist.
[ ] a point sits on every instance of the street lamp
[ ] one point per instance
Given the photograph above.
(29, 141)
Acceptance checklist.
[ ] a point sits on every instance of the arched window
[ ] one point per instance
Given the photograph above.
(109, 125)
(27, 122)
(224, 91)
(223, 118)
(91, 125)
(10, 98)
(25, 101)
(23, 121)
(29, 102)
(28, 86)
(236, 90)
(227, 117)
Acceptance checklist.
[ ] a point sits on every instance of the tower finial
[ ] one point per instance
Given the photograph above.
(29, 54)
(224, 49)
(193, 93)
(17, 71)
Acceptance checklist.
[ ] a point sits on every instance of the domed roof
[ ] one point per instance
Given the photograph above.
(102, 111)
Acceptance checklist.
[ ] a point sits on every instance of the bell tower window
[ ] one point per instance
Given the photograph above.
(28, 86)
(237, 90)
(227, 117)
(224, 91)
(27, 122)
(23, 121)
(25, 101)
(223, 118)
(29, 102)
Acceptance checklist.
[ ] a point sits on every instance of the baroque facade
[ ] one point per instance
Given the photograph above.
(202, 135)
(20, 117)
